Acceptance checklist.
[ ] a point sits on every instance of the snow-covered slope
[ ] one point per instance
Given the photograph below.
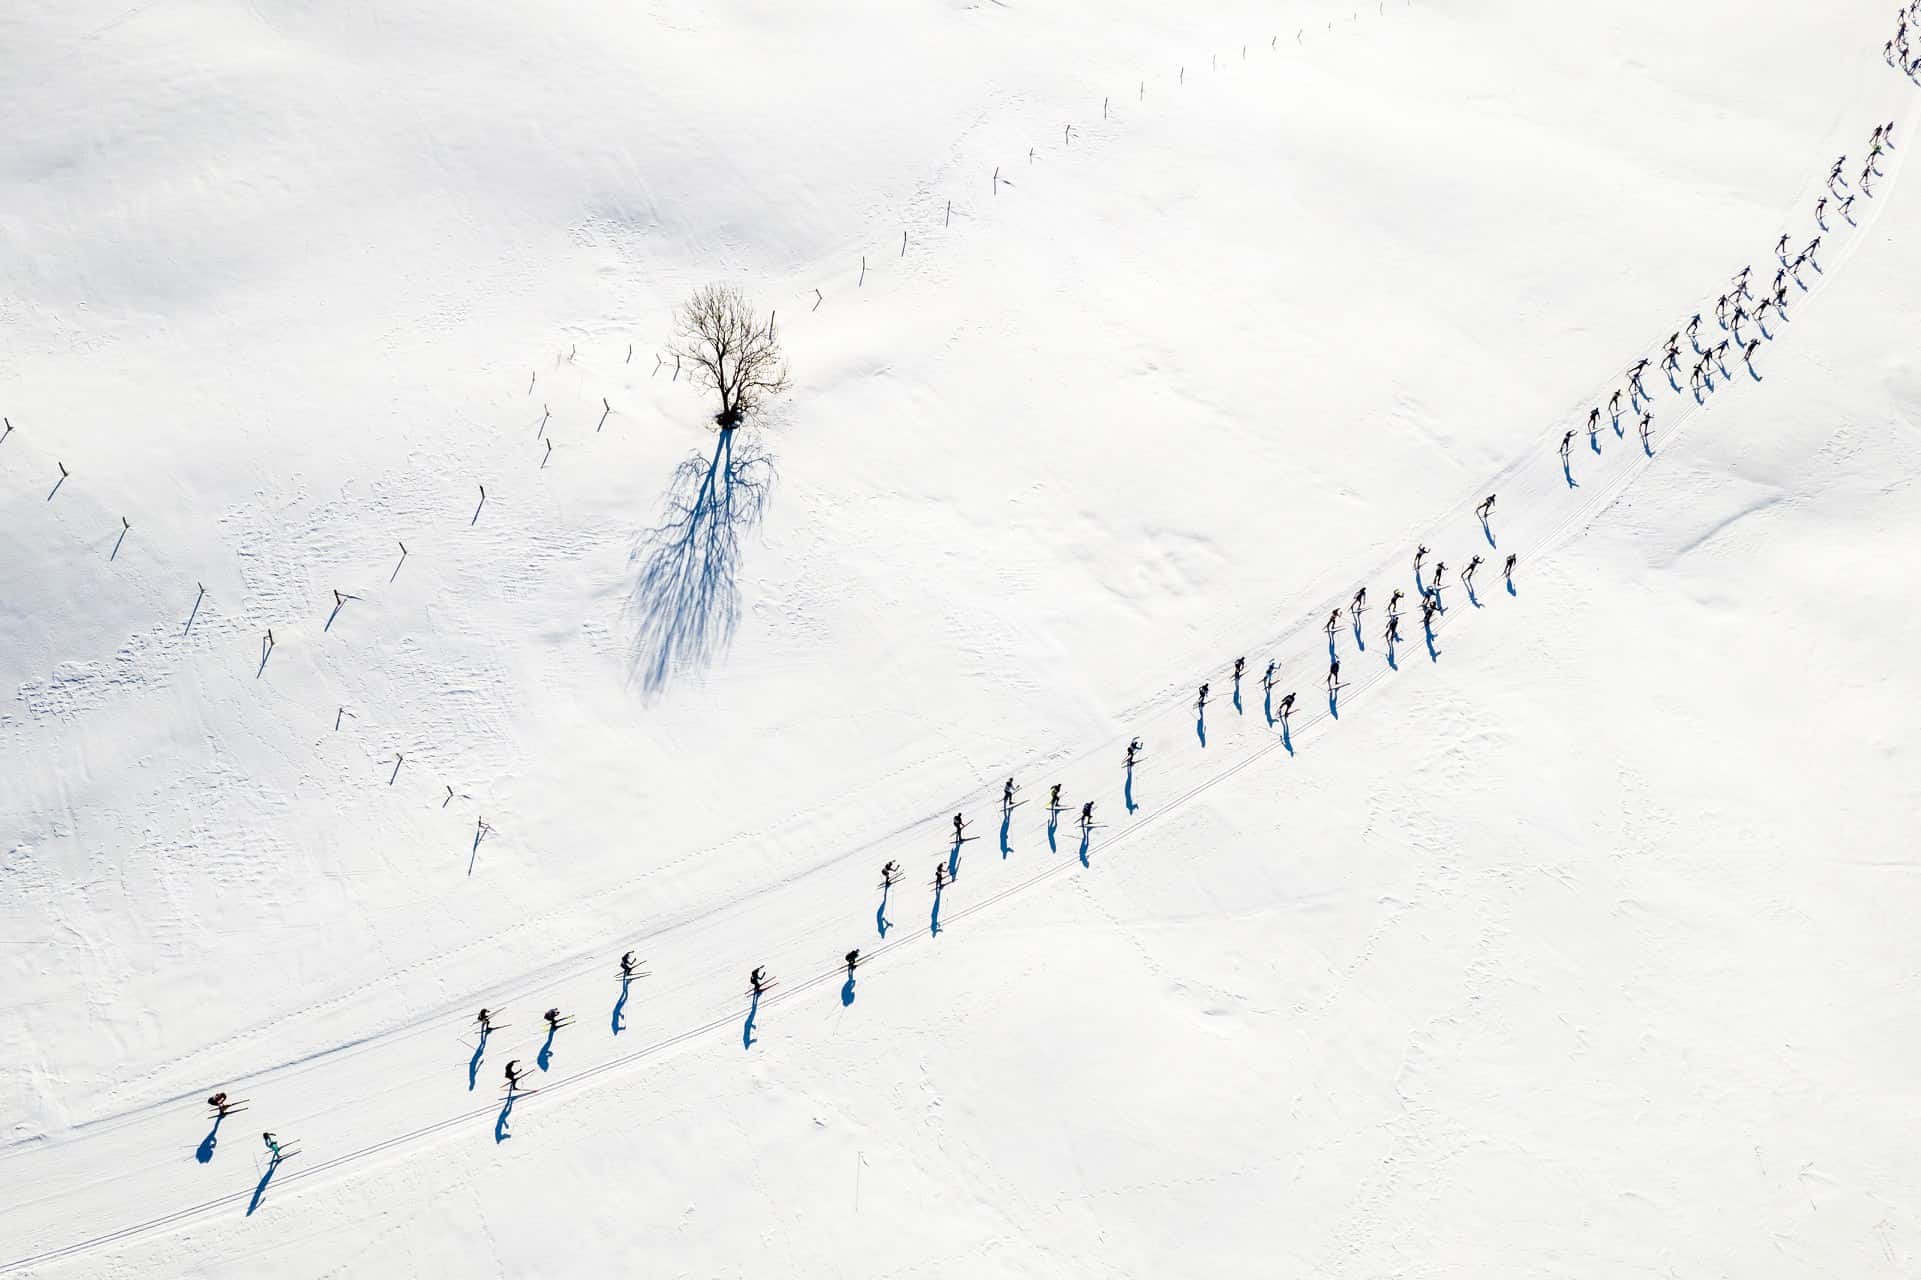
(1577, 946)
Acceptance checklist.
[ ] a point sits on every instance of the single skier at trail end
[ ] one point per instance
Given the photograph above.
(1133, 753)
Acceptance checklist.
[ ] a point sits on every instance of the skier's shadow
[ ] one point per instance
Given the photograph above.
(501, 1133)
(620, 1006)
(1237, 698)
(1127, 790)
(1510, 588)
(1053, 826)
(1433, 654)
(847, 990)
(545, 1057)
(747, 1028)
(1334, 702)
(260, 1188)
(473, 1063)
(1087, 834)
(1567, 470)
(1752, 374)
(1473, 599)
(1200, 726)
(1487, 532)
(1267, 706)
(880, 914)
(933, 920)
(1007, 818)
(204, 1152)
(1360, 641)
(953, 861)
(1392, 665)
(1287, 736)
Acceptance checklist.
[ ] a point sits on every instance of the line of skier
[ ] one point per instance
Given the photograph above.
(1898, 53)
(1736, 307)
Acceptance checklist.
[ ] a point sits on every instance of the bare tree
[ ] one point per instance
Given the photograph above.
(730, 351)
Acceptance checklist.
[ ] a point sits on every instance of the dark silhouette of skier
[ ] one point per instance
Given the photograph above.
(1434, 590)
(1647, 420)
(1507, 570)
(1087, 815)
(513, 1074)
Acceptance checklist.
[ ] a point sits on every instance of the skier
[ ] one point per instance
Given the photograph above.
(1427, 614)
(758, 979)
(1720, 354)
(1267, 677)
(959, 822)
(1200, 699)
(890, 873)
(1393, 633)
(1133, 749)
(1054, 797)
(1593, 429)
(1748, 355)
(1394, 602)
(1781, 245)
(940, 876)
(1847, 208)
(1820, 211)
(1087, 815)
(1507, 570)
(1694, 327)
(1333, 625)
(1567, 443)
(852, 958)
(1434, 590)
(1287, 707)
(1333, 674)
(1420, 552)
(1814, 247)
(1867, 179)
(273, 1147)
(219, 1103)
(1761, 312)
(486, 1020)
(1486, 508)
(627, 963)
(1721, 311)
(513, 1074)
(1467, 574)
(1240, 665)
(1007, 794)
(1357, 605)
(1647, 419)
(1741, 282)
(1834, 173)
(552, 1017)
(1636, 392)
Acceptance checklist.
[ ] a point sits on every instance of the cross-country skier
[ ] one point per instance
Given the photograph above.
(1427, 613)
(1240, 665)
(1761, 312)
(1394, 602)
(1821, 211)
(552, 1017)
(940, 876)
(1867, 179)
(959, 822)
(486, 1020)
(1834, 172)
(1741, 281)
(1486, 508)
(513, 1074)
(1267, 676)
(1087, 814)
(1467, 574)
(1007, 794)
(1200, 699)
(1593, 422)
(1420, 551)
(1847, 208)
(758, 979)
(1721, 311)
(890, 872)
(1333, 674)
(1720, 353)
(1133, 749)
(1614, 405)
(1357, 605)
(1567, 443)
(1694, 327)
(1434, 589)
(627, 963)
(1748, 355)
(1507, 570)
(1781, 245)
(1054, 797)
(1647, 419)
(273, 1146)
(1814, 247)
(852, 958)
(1333, 625)
(219, 1103)
(1636, 392)
(1393, 633)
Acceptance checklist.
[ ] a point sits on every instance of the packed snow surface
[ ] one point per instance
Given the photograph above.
(387, 634)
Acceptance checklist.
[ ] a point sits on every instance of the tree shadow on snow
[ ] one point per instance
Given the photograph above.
(685, 601)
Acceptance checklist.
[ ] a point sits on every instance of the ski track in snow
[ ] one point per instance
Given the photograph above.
(1527, 487)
